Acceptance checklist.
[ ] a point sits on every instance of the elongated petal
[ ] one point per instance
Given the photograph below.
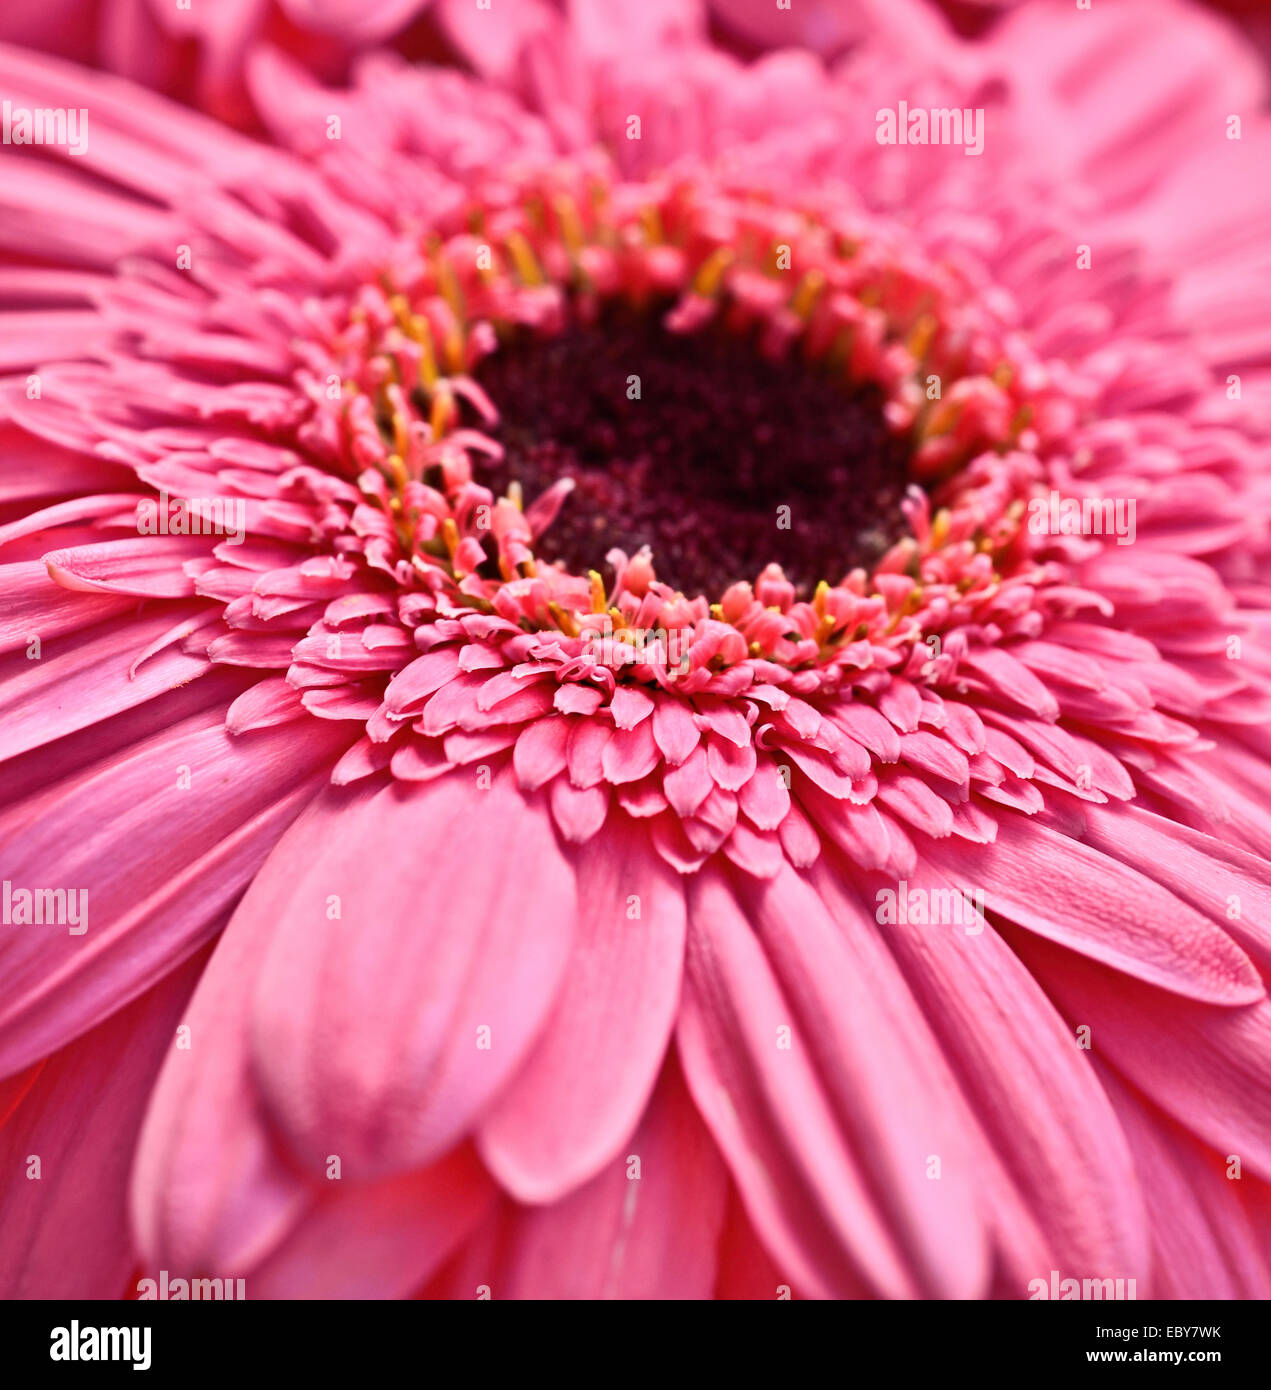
(392, 1007)
(582, 1089)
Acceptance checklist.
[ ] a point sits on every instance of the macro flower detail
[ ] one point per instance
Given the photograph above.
(532, 597)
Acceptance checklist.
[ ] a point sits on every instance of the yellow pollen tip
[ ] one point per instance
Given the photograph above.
(807, 294)
(450, 534)
(564, 621)
(571, 225)
(442, 410)
(523, 259)
(397, 470)
(651, 221)
(401, 433)
(597, 592)
(448, 283)
(710, 275)
(400, 306)
(453, 349)
(924, 331)
(419, 329)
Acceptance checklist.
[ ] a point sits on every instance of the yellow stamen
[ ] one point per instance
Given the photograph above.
(710, 275)
(418, 328)
(448, 284)
(453, 349)
(564, 621)
(398, 470)
(651, 221)
(527, 267)
(442, 410)
(924, 331)
(400, 306)
(809, 291)
(401, 432)
(571, 224)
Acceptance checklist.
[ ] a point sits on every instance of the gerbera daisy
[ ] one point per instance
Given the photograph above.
(649, 694)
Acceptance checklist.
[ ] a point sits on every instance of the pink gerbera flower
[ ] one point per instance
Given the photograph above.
(632, 692)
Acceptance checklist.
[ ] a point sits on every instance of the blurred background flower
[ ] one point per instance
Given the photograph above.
(198, 54)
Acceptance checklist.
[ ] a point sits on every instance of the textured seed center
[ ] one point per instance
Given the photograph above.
(718, 459)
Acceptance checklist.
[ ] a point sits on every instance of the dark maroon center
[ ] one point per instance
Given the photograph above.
(724, 463)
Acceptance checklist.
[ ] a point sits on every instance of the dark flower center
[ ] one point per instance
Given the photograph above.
(719, 460)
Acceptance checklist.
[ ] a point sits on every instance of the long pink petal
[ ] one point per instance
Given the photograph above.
(66, 1235)
(583, 1088)
(392, 1006)
(647, 1226)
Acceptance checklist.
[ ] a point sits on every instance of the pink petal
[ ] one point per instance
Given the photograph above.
(391, 1235)
(646, 1233)
(193, 848)
(367, 1032)
(1088, 902)
(768, 1113)
(1068, 1191)
(66, 1236)
(582, 1089)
